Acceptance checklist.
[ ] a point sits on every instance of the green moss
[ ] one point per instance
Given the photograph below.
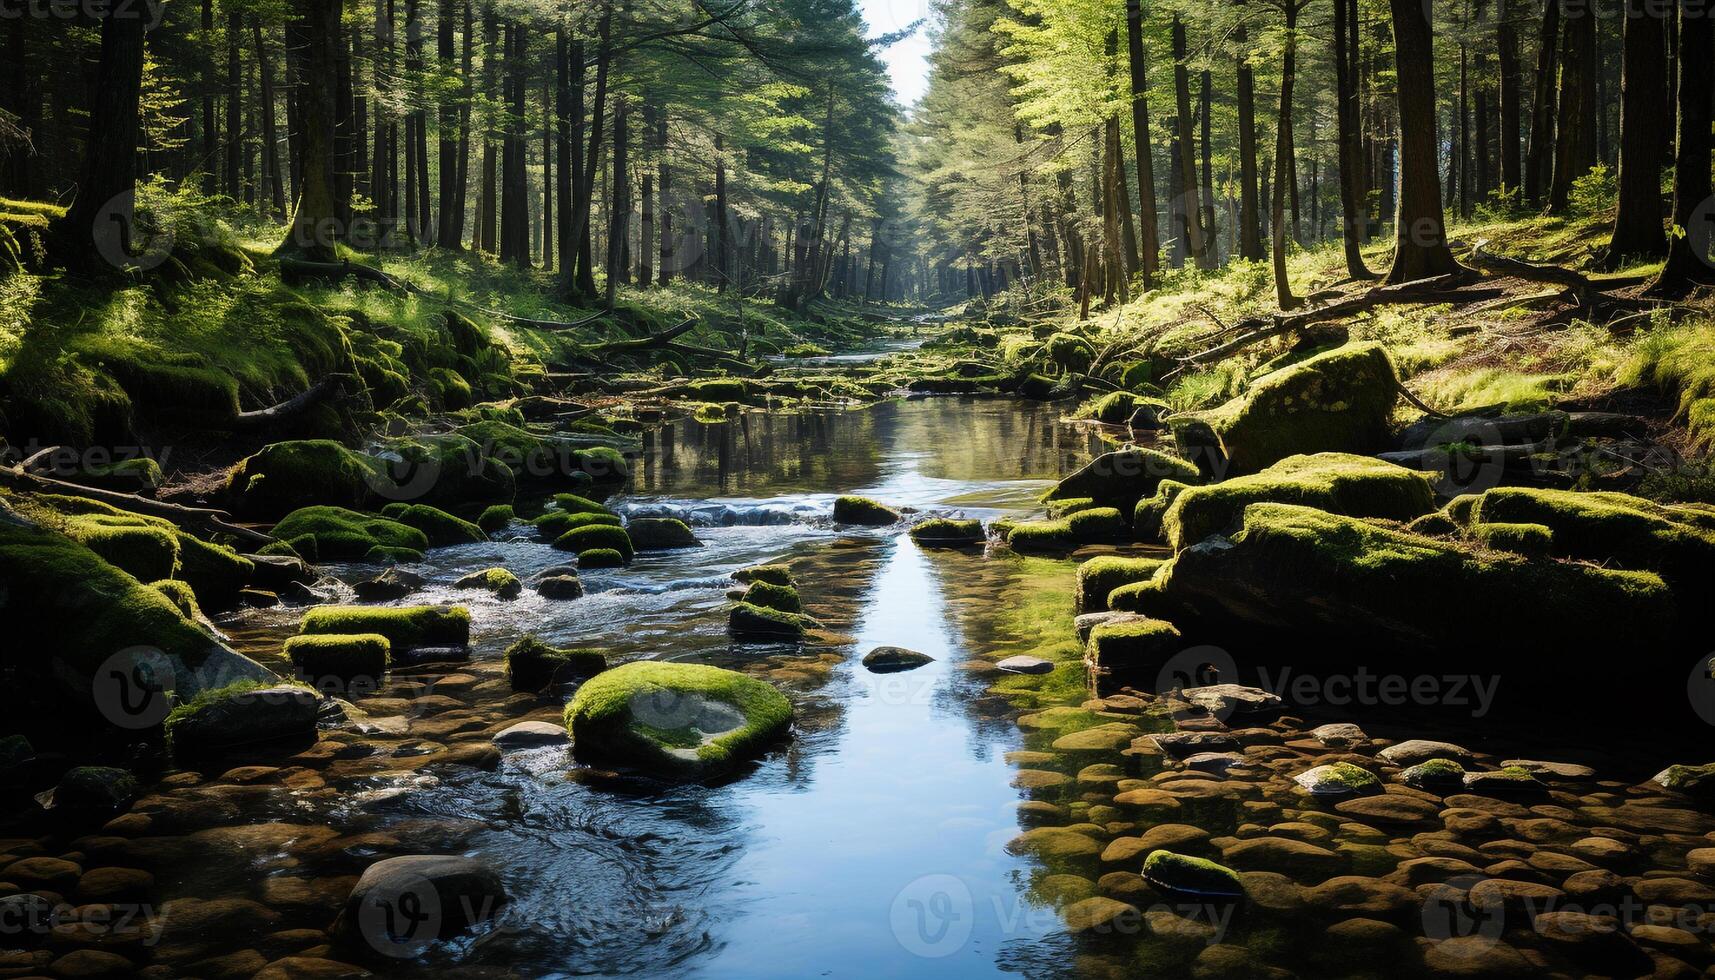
(602, 558)
(1117, 407)
(496, 518)
(1146, 517)
(210, 719)
(341, 657)
(593, 536)
(772, 574)
(747, 621)
(1134, 648)
(600, 464)
(144, 549)
(863, 511)
(440, 527)
(1462, 510)
(675, 717)
(1357, 486)
(1069, 352)
(1039, 536)
(941, 532)
(1122, 478)
(216, 572)
(571, 503)
(1436, 525)
(445, 470)
(1186, 875)
(1064, 508)
(406, 628)
(1100, 576)
(339, 534)
(1346, 779)
(1679, 360)
(1615, 529)
(1338, 401)
(1434, 774)
(780, 597)
(287, 476)
(128, 473)
(385, 555)
(661, 534)
(498, 581)
(552, 525)
(1098, 525)
(532, 664)
(1530, 540)
(182, 596)
(453, 390)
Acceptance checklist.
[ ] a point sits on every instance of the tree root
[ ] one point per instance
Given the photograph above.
(192, 519)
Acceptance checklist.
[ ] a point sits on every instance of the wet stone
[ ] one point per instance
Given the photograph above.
(1413, 751)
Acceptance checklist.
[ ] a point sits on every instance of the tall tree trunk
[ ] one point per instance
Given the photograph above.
(668, 249)
(646, 197)
(461, 185)
(514, 186)
(1539, 161)
(1211, 240)
(447, 232)
(1506, 52)
(344, 138)
(313, 224)
(270, 135)
(1250, 216)
(1575, 143)
(1420, 236)
(234, 104)
(1149, 232)
(549, 231)
(564, 151)
(1688, 253)
(414, 227)
(619, 209)
(1638, 229)
(1191, 206)
(380, 181)
(721, 230)
(1283, 152)
(101, 218)
(585, 195)
(1354, 217)
(1461, 162)
(488, 205)
(210, 85)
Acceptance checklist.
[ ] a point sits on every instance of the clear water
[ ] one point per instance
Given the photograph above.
(873, 844)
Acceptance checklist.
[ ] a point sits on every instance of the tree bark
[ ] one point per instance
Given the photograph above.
(101, 218)
(270, 136)
(1539, 161)
(1638, 229)
(1688, 252)
(313, 225)
(446, 233)
(234, 104)
(1575, 142)
(1506, 52)
(583, 202)
(1211, 238)
(1149, 231)
(664, 209)
(514, 191)
(1250, 209)
(564, 150)
(1420, 237)
(619, 209)
(1282, 156)
(1187, 162)
(1354, 217)
(488, 204)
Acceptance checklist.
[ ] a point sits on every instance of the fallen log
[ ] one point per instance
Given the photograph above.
(335, 271)
(194, 519)
(1553, 275)
(291, 407)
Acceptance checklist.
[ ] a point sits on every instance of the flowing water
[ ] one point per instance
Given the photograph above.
(874, 843)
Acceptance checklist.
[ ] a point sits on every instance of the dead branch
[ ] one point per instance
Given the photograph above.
(291, 407)
(197, 519)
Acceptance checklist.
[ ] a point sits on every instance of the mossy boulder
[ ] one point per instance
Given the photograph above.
(675, 718)
(93, 791)
(594, 537)
(772, 574)
(1357, 486)
(406, 628)
(141, 548)
(337, 661)
(942, 532)
(1133, 647)
(532, 665)
(1069, 352)
(661, 534)
(338, 534)
(1038, 536)
(1100, 576)
(552, 525)
(442, 470)
(1147, 516)
(562, 585)
(1183, 874)
(1118, 407)
(596, 558)
(1614, 529)
(1297, 570)
(572, 503)
(1122, 478)
(1435, 776)
(863, 511)
(498, 582)
(287, 476)
(440, 527)
(1098, 525)
(182, 596)
(222, 720)
(72, 611)
(1696, 782)
(752, 622)
(1530, 540)
(1337, 401)
(496, 518)
(1339, 779)
(783, 598)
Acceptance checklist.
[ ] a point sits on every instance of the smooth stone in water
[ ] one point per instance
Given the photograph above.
(1232, 699)
(887, 660)
(1413, 751)
(1338, 779)
(530, 735)
(1026, 665)
(450, 893)
(1339, 735)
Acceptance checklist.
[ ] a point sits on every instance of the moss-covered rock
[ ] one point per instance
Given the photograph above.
(287, 476)
(772, 574)
(1122, 478)
(1357, 486)
(1435, 776)
(93, 791)
(1696, 782)
(863, 511)
(337, 661)
(595, 558)
(661, 534)
(943, 532)
(532, 665)
(1066, 508)
(1182, 874)
(1147, 516)
(406, 628)
(499, 582)
(1098, 525)
(675, 718)
(1338, 401)
(1100, 576)
(592, 537)
(221, 720)
(752, 622)
(1118, 407)
(496, 518)
(1038, 536)
(440, 527)
(1069, 352)
(337, 534)
(182, 596)
(572, 503)
(552, 525)
(144, 549)
(1133, 648)
(562, 585)
(442, 470)
(1530, 540)
(383, 554)
(1294, 569)
(783, 598)
(1339, 779)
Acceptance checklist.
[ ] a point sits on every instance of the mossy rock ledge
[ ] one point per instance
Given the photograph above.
(241, 715)
(675, 719)
(1123, 477)
(1357, 486)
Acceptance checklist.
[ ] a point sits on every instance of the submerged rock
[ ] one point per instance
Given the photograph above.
(402, 904)
(93, 791)
(1193, 876)
(887, 660)
(389, 586)
(1026, 665)
(531, 735)
(501, 583)
(1339, 779)
(675, 718)
(752, 622)
(942, 532)
(560, 587)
